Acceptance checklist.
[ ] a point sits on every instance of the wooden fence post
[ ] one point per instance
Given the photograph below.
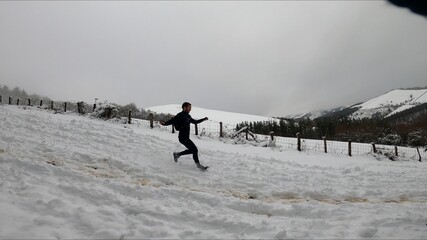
(41, 103)
(395, 151)
(17, 101)
(374, 148)
(94, 106)
(29, 102)
(324, 143)
(10, 100)
(151, 117)
(1, 98)
(272, 135)
(419, 155)
(298, 142)
(220, 130)
(349, 147)
(65, 107)
(130, 117)
(51, 105)
(78, 107)
(247, 133)
(196, 129)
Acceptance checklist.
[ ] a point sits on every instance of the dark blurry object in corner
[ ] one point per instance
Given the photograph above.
(416, 6)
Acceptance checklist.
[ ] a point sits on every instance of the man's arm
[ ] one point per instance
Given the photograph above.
(198, 121)
(170, 122)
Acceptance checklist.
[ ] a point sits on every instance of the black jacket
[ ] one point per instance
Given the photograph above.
(183, 119)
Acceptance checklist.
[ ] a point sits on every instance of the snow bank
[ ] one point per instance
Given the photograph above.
(67, 176)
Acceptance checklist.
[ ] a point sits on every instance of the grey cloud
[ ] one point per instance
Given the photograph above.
(268, 58)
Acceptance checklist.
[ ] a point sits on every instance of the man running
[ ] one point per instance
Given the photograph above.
(182, 123)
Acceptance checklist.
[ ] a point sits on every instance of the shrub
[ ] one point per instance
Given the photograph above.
(416, 139)
(391, 139)
(106, 111)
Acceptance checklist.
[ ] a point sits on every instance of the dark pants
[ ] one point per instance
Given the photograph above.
(191, 149)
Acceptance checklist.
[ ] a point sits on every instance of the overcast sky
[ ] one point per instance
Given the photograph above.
(267, 58)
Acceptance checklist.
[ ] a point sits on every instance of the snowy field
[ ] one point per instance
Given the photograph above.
(68, 176)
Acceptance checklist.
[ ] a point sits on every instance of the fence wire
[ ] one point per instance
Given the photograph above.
(212, 129)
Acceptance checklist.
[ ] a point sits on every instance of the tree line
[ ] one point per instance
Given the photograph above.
(20, 93)
(122, 111)
(407, 130)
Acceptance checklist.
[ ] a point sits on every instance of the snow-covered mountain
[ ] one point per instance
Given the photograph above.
(213, 115)
(390, 103)
(384, 106)
(316, 114)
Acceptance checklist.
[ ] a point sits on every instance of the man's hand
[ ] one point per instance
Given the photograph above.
(162, 123)
(206, 118)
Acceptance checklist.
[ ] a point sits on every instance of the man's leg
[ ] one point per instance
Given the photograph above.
(191, 149)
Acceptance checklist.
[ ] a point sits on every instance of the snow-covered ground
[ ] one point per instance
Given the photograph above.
(391, 103)
(68, 176)
(396, 97)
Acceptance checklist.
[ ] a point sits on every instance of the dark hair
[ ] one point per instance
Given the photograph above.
(186, 104)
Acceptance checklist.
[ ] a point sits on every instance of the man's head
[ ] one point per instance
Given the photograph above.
(186, 107)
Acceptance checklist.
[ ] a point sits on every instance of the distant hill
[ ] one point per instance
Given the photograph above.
(316, 114)
(214, 115)
(391, 105)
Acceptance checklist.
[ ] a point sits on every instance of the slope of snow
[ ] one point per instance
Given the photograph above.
(214, 115)
(395, 97)
(400, 109)
(390, 103)
(68, 176)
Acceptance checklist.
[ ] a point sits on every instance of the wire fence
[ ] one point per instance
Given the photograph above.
(212, 129)
(215, 129)
(57, 106)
